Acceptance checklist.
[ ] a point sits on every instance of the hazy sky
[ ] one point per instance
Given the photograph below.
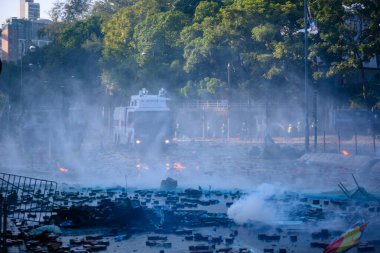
(11, 8)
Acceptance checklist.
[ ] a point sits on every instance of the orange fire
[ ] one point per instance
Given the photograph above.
(178, 166)
(344, 152)
(63, 170)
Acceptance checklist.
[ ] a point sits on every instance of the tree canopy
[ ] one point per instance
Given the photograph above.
(210, 49)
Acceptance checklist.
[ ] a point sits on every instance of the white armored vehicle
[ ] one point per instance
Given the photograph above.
(147, 121)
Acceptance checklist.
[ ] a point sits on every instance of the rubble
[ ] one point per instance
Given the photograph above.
(184, 214)
(122, 237)
(169, 184)
(366, 247)
(324, 234)
(321, 245)
(272, 150)
(193, 193)
(265, 237)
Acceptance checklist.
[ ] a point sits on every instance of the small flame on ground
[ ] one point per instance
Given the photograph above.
(344, 152)
(178, 166)
(63, 170)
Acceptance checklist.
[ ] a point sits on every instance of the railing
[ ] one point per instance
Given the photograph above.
(206, 104)
(27, 198)
(220, 104)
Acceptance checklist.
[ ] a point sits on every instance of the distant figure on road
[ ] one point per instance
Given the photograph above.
(177, 131)
(298, 129)
(290, 130)
(223, 130)
(244, 131)
(208, 130)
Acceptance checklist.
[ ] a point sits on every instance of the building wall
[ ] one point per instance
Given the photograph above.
(0, 45)
(19, 34)
(22, 7)
(5, 41)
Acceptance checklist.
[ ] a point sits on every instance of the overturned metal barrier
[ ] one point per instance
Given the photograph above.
(360, 193)
(27, 198)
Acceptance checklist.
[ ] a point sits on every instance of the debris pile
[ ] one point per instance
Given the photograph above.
(169, 184)
(197, 217)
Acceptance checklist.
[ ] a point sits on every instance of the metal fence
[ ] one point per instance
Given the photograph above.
(331, 142)
(26, 198)
(352, 144)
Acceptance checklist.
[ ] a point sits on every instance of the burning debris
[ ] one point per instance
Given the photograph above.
(63, 170)
(178, 166)
(345, 152)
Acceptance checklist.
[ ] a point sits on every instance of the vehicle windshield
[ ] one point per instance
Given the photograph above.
(150, 123)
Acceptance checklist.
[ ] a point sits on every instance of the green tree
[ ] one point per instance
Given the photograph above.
(69, 10)
(143, 40)
(248, 35)
(109, 7)
(349, 36)
(67, 66)
(212, 86)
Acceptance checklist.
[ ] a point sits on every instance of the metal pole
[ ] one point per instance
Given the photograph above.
(1, 214)
(266, 119)
(228, 122)
(126, 184)
(49, 145)
(356, 143)
(5, 218)
(374, 143)
(338, 142)
(306, 76)
(203, 123)
(21, 78)
(228, 75)
(110, 116)
(315, 121)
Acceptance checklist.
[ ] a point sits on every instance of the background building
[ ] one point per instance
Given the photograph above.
(32, 11)
(29, 9)
(0, 46)
(19, 34)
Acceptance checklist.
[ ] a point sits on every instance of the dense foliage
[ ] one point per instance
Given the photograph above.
(232, 49)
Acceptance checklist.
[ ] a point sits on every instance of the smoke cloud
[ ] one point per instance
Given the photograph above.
(255, 206)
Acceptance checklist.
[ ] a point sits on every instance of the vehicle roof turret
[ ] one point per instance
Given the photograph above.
(145, 102)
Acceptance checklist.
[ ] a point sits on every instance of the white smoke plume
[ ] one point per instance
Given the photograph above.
(255, 207)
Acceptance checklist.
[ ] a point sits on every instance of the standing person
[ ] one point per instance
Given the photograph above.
(244, 131)
(290, 129)
(298, 129)
(177, 131)
(222, 130)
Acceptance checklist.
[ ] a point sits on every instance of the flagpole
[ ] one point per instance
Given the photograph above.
(306, 85)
